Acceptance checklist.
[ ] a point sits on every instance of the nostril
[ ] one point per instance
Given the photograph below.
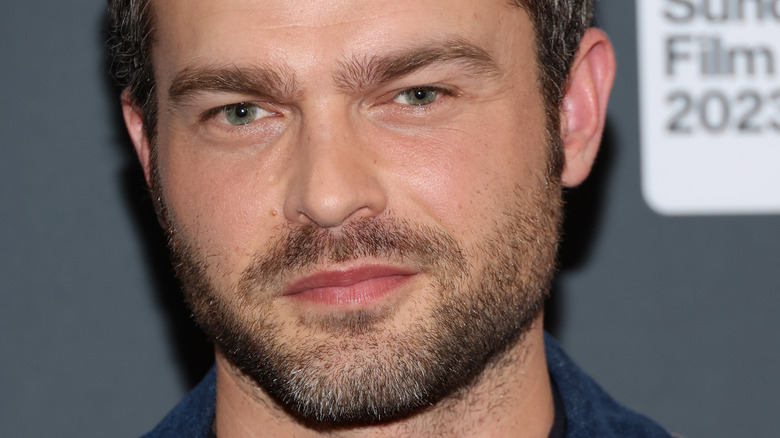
(331, 204)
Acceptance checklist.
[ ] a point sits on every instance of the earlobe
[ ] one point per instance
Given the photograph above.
(135, 127)
(584, 106)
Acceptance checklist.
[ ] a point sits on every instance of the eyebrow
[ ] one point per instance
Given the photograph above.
(260, 80)
(358, 73)
(369, 71)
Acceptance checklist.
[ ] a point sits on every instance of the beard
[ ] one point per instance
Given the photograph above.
(357, 367)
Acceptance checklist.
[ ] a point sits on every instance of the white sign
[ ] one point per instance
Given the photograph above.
(710, 105)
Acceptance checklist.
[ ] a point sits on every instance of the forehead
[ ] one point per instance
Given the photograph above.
(309, 35)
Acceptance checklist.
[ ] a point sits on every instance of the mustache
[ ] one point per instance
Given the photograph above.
(389, 238)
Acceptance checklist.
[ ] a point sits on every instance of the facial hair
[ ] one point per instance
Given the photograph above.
(481, 299)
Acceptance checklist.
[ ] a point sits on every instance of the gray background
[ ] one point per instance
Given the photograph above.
(674, 316)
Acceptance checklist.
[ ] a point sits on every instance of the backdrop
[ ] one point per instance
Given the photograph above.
(675, 316)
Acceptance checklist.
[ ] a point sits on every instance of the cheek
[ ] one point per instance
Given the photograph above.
(464, 177)
(222, 203)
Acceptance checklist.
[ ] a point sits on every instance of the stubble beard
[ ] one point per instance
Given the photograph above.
(482, 300)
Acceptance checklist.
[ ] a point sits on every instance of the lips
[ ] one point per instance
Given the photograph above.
(349, 286)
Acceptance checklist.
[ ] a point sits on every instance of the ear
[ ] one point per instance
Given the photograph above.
(584, 105)
(134, 122)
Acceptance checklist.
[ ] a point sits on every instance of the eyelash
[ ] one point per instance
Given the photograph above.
(214, 112)
(439, 90)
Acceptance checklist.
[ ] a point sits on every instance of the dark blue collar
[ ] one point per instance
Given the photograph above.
(590, 411)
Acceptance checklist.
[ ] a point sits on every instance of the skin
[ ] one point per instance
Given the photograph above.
(328, 151)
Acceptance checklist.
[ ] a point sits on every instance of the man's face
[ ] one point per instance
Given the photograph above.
(357, 192)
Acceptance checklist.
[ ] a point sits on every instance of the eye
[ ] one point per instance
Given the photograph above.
(417, 96)
(243, 113)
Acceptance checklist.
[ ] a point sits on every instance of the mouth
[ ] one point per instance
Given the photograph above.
(352, 286)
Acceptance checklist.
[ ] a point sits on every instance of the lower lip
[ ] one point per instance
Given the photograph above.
(362, 292)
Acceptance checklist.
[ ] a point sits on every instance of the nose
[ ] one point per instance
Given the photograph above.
(335, 178)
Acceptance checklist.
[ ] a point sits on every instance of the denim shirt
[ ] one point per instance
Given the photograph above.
(589, 411)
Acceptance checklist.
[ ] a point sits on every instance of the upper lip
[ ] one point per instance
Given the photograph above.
(344, 277)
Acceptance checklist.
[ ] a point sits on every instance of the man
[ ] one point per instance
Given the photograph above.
(363, 201)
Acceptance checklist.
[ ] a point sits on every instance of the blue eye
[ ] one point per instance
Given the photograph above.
(417, 96)
(241, 113)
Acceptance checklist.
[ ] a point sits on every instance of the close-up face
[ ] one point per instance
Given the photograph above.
(357, 191)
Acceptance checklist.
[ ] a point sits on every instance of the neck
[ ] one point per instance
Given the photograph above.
(513, 398)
